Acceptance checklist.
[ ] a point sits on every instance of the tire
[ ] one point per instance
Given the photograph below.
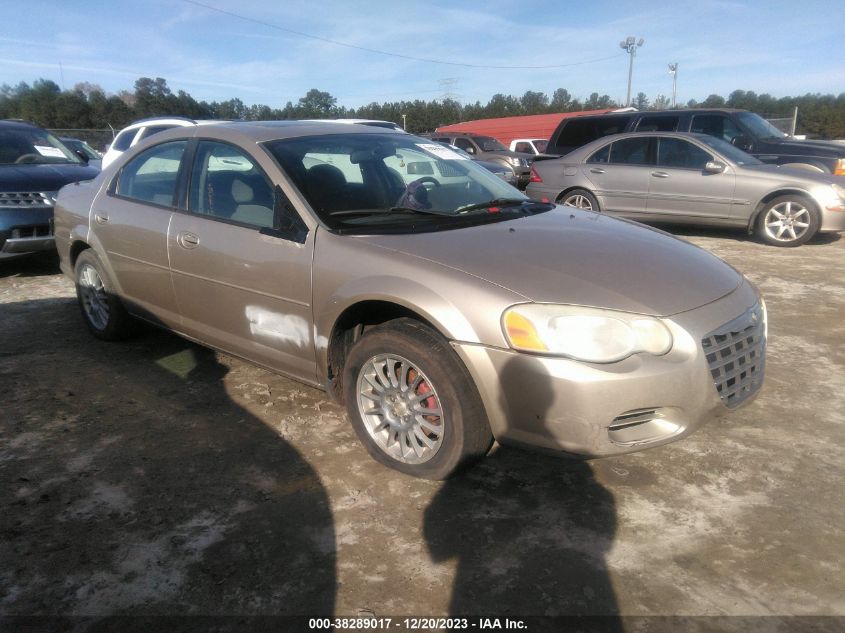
(101, 308)
(788, 221)
(580, 199)
(386, 372)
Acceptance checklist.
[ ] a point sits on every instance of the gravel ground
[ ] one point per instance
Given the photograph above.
(155, 477)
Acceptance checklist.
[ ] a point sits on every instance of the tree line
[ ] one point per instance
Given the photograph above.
(87, 106)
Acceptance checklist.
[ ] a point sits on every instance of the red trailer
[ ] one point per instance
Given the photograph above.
(509, 128)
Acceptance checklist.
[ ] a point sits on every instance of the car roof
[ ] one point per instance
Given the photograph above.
(19, 124)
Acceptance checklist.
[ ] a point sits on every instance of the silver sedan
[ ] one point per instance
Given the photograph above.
(693, 179)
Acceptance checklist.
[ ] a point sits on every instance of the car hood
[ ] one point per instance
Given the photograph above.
(813, 148)
(574, 257)
(42, 177)
(785, 175)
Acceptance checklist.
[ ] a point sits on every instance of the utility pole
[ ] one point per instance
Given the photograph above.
(403, 121)
(673, 70)
(630, 44)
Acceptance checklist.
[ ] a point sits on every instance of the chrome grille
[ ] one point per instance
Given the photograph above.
(736, 355)
(25, 199)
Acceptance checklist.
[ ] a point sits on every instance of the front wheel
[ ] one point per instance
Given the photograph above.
(102, 310)
(412, 402)
(580, 199)
(788, 221)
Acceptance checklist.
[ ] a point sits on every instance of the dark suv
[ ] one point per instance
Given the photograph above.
(489, 149)
(34, 165)
(745, 130)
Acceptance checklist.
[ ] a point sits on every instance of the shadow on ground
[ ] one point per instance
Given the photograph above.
(134, 485)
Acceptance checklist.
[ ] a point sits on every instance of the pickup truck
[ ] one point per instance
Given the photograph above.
(745, 130)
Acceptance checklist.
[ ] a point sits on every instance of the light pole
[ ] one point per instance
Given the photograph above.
(673, 70)
(403, 121)
(630, 44)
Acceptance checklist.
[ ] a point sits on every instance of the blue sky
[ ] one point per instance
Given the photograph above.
(782, 48)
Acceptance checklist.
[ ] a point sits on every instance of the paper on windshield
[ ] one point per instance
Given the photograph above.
(440, 151)
(51, 152)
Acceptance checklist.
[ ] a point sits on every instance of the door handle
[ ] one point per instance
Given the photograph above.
(101, 218)
(187, 240)
(597, 170)
(659, 174)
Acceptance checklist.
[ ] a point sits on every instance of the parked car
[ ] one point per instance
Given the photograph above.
(135, 132)
(441, 305)
(89, 155)
(34, 165)
(747, 131)
(488, 148)
(502, 171)
(693, 179)
(532, 146)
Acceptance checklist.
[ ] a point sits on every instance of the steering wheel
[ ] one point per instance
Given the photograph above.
(424, 180)
(27, 158)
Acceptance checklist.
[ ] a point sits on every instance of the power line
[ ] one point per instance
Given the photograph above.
(387, 53)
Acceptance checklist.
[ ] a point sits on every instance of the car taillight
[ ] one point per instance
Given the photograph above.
(535, 176)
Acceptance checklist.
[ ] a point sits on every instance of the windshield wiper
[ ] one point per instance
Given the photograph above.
(389, 211)
(495, 202)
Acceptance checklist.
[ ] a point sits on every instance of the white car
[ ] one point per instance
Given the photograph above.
(133, 133)
(529, 145)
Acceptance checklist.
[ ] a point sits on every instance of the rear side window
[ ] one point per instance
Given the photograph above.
(155, 129)
(582, 130)
(675, 152)
(631, 151)
(151, 176)
(601, 156)
(658, 123)
(124, 140)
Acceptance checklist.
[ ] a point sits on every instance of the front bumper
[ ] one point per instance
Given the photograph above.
(26, 231)
(595, 409)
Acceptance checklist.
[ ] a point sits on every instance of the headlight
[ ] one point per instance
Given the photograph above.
(587, 334)
(514, 160)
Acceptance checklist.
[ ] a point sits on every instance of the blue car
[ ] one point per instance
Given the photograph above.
(34, 165)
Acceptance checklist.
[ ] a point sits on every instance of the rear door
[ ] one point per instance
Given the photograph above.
(240, 286)
(129, 221)
(681, 188)
(620, 175)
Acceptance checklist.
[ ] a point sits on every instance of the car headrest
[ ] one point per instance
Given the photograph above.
(241, 192)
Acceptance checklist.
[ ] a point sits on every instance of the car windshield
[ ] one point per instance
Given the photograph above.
(488, 144)
(729, 151)
(395, 182)
(77, 145)
(23, 145)
(759, 126)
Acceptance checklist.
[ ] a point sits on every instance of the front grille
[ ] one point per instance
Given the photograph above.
(26, 199)
(39, 230)
(736, 355)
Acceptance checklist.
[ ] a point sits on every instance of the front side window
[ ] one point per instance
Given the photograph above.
(395, 183)
(488, 144)
(465, 145)
(717, 125)
(677, 153)
(23, 145)
(658, 123)
(631, 151)
(227, 184)
(152, 175)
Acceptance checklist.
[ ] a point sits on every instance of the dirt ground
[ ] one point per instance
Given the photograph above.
(155, 477)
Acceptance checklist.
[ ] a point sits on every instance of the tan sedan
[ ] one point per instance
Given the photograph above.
(441, 305)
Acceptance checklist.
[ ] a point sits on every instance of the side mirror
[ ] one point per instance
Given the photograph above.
(714, 167)
(470, 150)
(81, 155)
(741, 141)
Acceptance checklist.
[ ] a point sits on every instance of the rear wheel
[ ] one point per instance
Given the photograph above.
(788, 221)
(412, 402)
(102, 310)
(580, 199)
